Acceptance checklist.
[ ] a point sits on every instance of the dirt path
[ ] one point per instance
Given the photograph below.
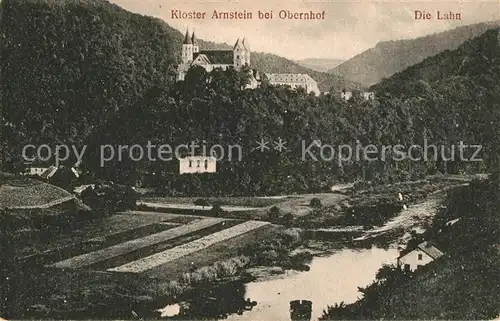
(411, 218)
(229, 208)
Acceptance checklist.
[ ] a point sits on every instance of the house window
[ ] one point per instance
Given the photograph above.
(419, 266)
(407, 267)
(198, 163)
(420, 257)
(238, 57)
(206, 164)
(190, 163)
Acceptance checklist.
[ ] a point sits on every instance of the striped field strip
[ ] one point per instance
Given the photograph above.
(132, 245)
(158, 259)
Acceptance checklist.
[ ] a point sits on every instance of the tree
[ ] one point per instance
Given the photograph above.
(287, 219)
(201, 202)
(315, 203)
(273, 214)
(217, 209)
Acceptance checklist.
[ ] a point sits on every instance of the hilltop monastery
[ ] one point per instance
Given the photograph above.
(238, 57)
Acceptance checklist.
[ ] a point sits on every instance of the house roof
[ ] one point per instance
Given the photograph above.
(49, 172)
(219, 57)
(290, 78)
(425, 247)
(201, 59)
(450, 223)
(430, 250)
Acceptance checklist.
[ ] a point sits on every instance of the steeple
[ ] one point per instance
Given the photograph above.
(193, 39)
(187, 39)
(245, 44)
(237, 44)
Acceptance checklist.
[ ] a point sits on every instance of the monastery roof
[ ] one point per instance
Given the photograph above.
(290, 78)
(223, 57)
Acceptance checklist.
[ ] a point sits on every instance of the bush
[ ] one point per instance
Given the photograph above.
(111, 198)
(315, 203)
(202, 202)
(287, 219)
(174, 288)
(273, 214)
(217, 209)
(290, 236)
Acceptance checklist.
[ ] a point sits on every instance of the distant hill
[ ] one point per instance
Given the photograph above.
(470, 63)
(389, 57)
(319, 64)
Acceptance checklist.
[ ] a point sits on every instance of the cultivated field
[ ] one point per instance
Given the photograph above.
(30, 193)
(95, 234)
(138, 244)
(147, 241)
(186, 249)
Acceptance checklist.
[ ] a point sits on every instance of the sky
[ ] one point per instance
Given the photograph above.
(349, 27)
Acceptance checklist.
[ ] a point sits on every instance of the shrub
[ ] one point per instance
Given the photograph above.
(202, 202)
(287, 219)
(315, 203)
(290, 236)
(174, 288)
(217, 209)
(273, 214)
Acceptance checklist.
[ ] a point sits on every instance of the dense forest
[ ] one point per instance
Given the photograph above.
(389, 57)
(101, 75)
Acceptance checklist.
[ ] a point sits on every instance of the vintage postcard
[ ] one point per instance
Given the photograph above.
(249, 160)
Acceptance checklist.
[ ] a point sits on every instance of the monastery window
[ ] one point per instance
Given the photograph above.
(420, 257)
(190, 163)
(237, 56)
(206, 164)
(198, 163)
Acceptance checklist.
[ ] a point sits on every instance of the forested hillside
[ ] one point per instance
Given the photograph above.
(100, 75)
(68, 66)
(389, 57)
(442, 113)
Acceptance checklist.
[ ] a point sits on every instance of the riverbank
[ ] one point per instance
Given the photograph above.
(462, 284)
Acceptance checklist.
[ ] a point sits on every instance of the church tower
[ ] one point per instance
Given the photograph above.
(240, 54)
(187, 49)
(196, 48)
(247, 51)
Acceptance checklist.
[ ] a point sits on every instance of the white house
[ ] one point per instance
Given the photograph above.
(366, 95)
(423, 254)
(197, 164)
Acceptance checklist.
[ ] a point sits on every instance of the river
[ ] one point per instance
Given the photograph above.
(331, 278)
